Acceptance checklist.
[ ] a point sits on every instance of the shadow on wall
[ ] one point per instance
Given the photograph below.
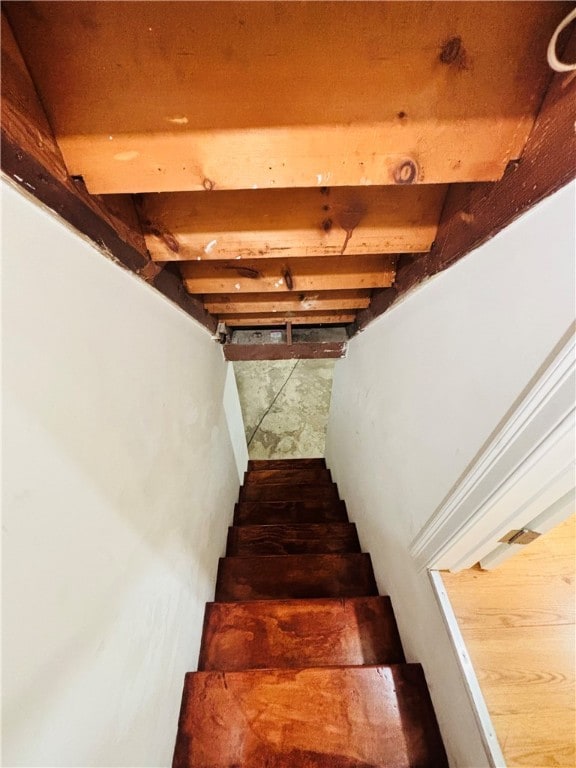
(285, 406)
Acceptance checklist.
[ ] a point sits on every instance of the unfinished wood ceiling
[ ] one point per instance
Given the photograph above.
(285, 156)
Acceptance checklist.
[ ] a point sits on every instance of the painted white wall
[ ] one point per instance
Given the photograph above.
(417, 396)
(235, 422)
(119, 480)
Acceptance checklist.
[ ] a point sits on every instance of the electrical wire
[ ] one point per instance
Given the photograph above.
(553, 60)
(272, 403)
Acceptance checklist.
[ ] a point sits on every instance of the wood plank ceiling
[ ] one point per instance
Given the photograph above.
(285, 156)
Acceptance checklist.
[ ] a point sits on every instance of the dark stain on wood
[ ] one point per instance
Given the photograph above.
(453, 53)
(327, 224)
(171, 241)
(248, 272)
(166, 237)
(288, 279)
(405, 173)
(348, 216)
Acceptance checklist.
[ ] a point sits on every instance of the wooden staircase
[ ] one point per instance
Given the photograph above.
(301, 665)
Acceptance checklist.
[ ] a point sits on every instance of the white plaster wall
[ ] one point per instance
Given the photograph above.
(418, 394)
(235, 422)
(119, 481)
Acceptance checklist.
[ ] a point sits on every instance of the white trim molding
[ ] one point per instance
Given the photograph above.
(526, 464)
(487, 732)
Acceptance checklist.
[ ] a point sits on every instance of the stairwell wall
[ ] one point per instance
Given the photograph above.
(119, 480)
(417, 396)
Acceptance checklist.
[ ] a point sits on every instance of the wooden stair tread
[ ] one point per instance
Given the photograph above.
(290, 539)
(344, 717)
(295, 511)
(304, 476)
(299, 633)
(289, 492)
(285, 463)
(273, 577)
(301, 664)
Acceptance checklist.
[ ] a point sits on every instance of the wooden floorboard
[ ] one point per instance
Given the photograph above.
(518, 624)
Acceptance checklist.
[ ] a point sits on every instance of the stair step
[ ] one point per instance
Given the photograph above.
(285, 463)
(289, 492)
(301, 539)
(290, 476)
(298, 633)
(276, 577)
(311, 718)
(288, 512)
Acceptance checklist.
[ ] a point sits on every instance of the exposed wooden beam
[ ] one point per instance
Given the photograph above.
(234, 303)
(291, 222)
(474, 213)
(298, 351)
(311, 318)
(278, 276)
(28, 143)
(178, 96)
(32, 159)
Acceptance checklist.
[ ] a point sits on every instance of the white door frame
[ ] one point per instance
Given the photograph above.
(524, 468)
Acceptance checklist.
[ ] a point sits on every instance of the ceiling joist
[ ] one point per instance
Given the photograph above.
(291, 301)
(283, 187)
(279, 276)
(291, 222)
(309, 318)
(167, 96)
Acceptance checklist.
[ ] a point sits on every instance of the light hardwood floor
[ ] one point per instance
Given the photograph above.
(518, 624)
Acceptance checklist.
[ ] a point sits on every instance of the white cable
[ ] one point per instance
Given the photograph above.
(553, 60)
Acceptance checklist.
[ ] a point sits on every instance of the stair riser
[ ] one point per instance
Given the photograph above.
(289, 512)
(288, 476)
(286, 464)
(283, 492)
(292, 539)
(294, 576)
(298, 633)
